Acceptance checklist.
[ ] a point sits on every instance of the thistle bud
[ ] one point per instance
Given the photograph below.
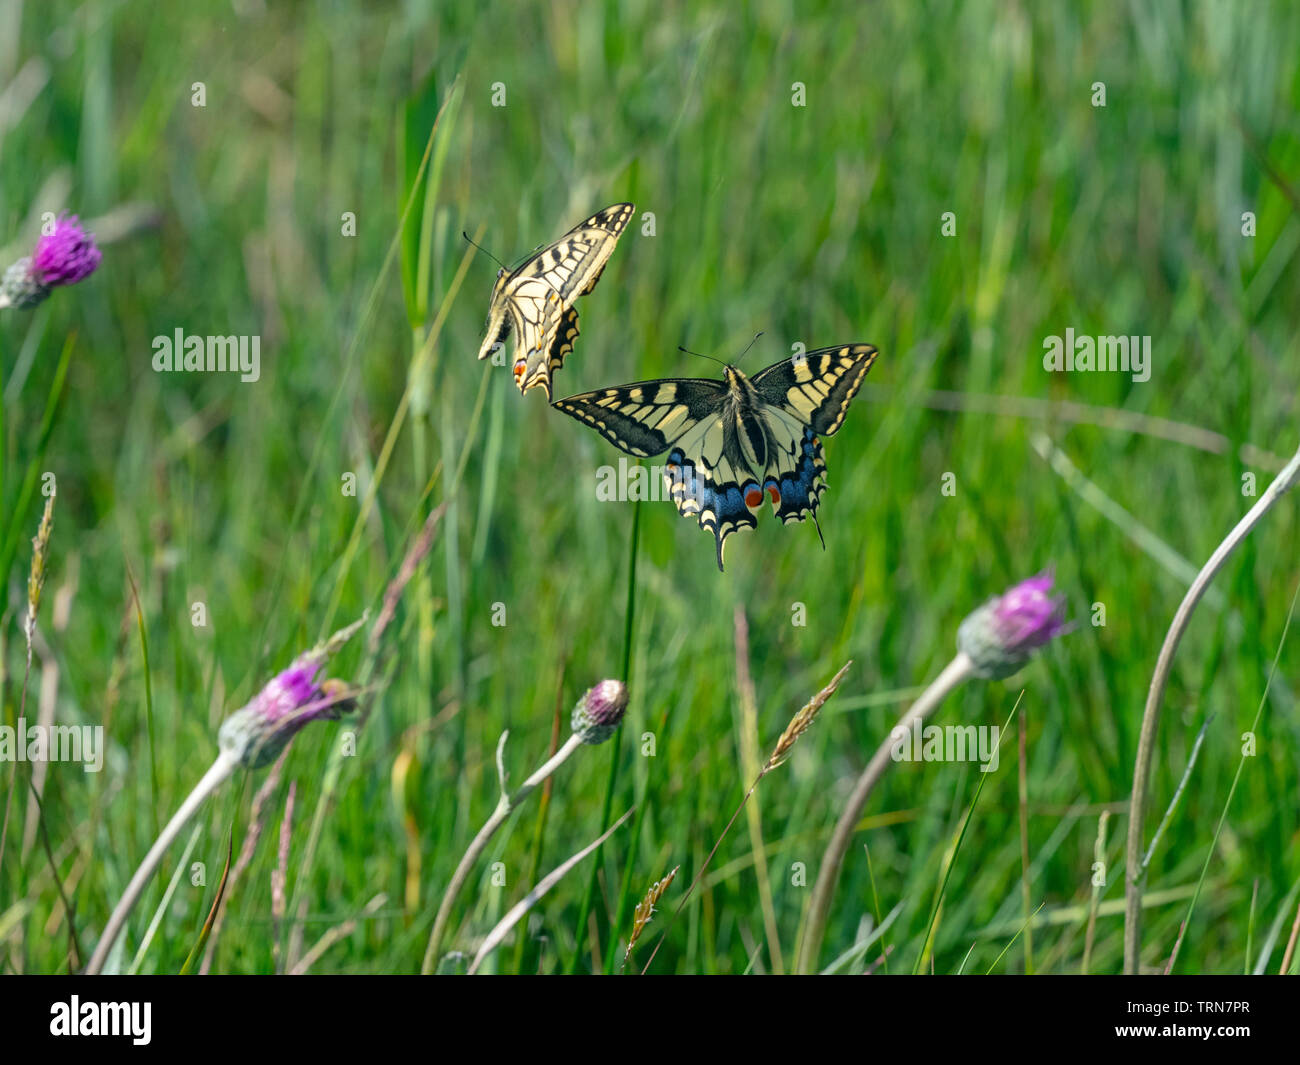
(599, 711)
(1000, 636)
(19, 288)
(257, 733)
(64, 256)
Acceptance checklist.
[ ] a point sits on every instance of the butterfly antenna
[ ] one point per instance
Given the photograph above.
(751, 344)
(484, 250)
(699, 356)
(525, 257)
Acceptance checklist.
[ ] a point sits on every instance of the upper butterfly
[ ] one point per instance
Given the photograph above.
(736, 439)
(536, 299)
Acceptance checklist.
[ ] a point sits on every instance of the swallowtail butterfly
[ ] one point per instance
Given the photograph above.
(535, 300)
(732, 442)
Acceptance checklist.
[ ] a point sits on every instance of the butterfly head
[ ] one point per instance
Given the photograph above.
(498, 286)
(742, 391)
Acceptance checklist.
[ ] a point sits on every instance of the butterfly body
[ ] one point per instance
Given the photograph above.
(735, 442)
(535, 300)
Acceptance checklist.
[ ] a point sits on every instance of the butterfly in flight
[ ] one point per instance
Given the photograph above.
(535, 300)
(733, 441)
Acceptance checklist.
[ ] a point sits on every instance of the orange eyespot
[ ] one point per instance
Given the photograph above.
(753, 496)
(521, 365)
(775, 493)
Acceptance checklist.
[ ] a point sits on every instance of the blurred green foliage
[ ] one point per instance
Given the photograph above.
(817, 224)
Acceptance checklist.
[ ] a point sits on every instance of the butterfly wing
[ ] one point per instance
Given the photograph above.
(818, 387)
(565, 335)
(803, 398)
(500, 320)
(647, 417)
(797, 480)
(525, 307)
(706, 480)
(573, 264)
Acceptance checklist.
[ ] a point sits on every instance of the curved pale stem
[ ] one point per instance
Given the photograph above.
(958, 670)
(505, 807)
(1134, 871)
(216, 775)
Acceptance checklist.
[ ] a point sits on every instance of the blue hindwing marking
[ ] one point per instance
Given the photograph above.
(801, 488)
(720, 508)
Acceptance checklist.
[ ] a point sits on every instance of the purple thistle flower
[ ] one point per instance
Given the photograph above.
(66, 256)
(599, 711)
(258, 732)
(1000, 636)
(1027, 615)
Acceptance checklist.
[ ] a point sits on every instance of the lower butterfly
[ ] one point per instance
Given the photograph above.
(731, 443)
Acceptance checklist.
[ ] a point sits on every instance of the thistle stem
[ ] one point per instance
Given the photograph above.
(217, 773)
(1134, 869)
(958, 670)
(494, 938)
(507, 804)
(615, 747)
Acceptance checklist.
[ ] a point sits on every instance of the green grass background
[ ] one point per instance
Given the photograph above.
(817, 224)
